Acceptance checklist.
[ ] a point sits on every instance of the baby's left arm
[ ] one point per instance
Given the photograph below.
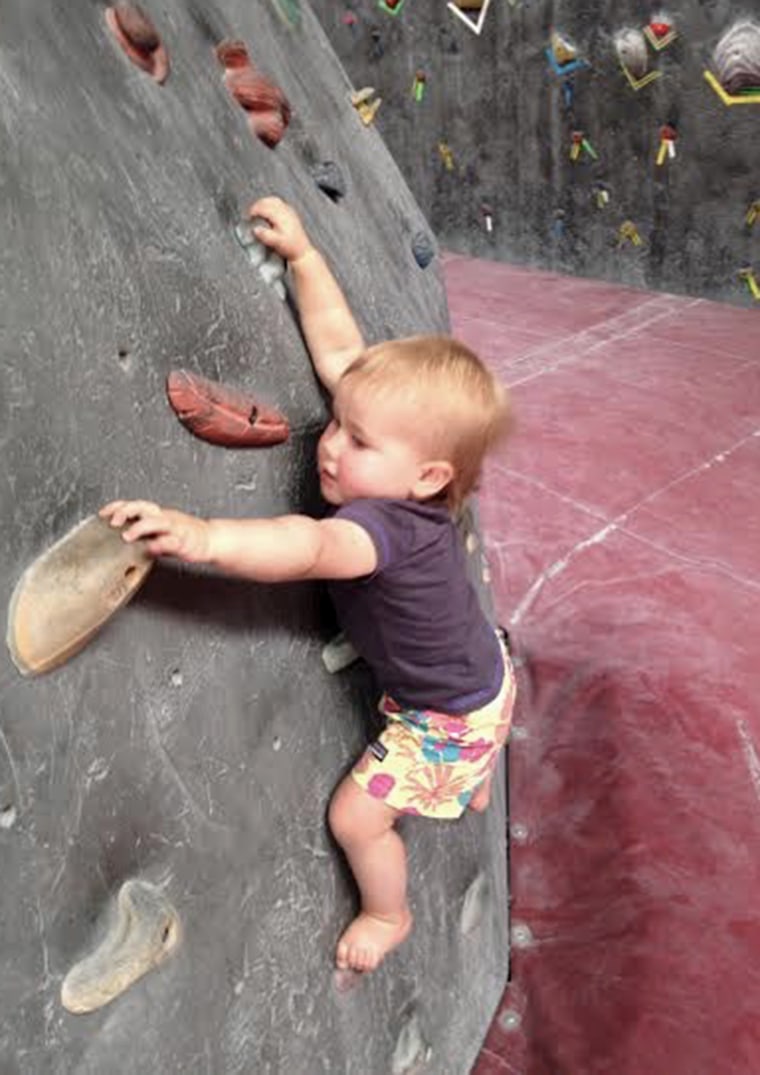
(283, 549)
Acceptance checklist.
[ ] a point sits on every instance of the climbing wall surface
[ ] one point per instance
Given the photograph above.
(191, 748)
(486, 142)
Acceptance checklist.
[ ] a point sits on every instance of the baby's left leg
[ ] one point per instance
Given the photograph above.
(363, 826)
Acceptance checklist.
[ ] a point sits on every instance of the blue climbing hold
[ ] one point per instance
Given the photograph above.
(423, 249)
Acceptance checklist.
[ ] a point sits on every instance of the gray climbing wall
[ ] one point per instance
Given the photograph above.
(495, 101)
(195, 743)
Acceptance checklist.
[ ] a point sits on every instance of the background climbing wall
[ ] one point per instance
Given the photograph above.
(194, 744)
(495, 101)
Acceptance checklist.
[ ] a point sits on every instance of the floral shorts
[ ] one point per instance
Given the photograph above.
(431, 763)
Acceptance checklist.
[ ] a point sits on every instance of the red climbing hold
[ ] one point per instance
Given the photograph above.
(267, 106)
(139, 39)
(223, 415)
(660, 29)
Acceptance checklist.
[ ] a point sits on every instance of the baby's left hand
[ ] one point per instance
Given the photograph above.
(164, 531)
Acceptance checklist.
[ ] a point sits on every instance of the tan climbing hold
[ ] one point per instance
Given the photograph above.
(69, 592)
(361, 96)
(145, 932)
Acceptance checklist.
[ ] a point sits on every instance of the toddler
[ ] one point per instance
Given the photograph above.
(412, 421)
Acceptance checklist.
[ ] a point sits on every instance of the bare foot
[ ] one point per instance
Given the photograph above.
(370, 938)
(481, 797)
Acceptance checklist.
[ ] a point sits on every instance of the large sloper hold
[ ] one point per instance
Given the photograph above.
(144, 932)
(69, 592)
(222, 414)
(737, 58)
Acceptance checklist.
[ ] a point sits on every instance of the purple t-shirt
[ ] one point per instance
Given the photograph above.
(416, 619)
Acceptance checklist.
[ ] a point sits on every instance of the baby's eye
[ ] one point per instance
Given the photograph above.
(357, 441)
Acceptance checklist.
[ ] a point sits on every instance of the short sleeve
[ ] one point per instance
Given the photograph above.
(391, 529)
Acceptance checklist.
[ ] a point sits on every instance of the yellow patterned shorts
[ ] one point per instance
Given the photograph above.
(431, 763)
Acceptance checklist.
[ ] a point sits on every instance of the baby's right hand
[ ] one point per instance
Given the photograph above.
(286, 234)
(163, 531)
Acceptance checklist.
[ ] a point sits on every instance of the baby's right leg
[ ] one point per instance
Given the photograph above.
(363, 826)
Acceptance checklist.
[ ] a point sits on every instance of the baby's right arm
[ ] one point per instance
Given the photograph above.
(332, 335)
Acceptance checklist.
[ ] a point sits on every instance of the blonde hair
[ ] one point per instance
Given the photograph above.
(463, 410)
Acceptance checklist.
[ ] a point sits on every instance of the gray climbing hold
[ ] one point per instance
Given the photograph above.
(329, 178)
(423, 249)
(7, 817)
(475, 902)
(510, 1020)
(412, 1052)
(338, 654)
(521, 935)
(518, 832)
(270, 266)
(144, 932)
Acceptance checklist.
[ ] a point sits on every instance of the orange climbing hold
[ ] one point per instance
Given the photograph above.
(224, 415)
(139, 39)
(267, 106)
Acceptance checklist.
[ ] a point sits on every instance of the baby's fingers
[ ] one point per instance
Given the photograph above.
(163, 545)
(269, 207)
(146, 526)
(118, 512)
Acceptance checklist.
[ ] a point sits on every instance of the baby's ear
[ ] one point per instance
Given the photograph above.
(433, 479)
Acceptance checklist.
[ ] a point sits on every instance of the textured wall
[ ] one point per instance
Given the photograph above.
(195, 743)
(493, 99)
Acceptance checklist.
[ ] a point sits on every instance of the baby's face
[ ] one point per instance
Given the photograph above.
(368, 449)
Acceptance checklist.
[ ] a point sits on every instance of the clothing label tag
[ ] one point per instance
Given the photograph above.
(378, 750)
